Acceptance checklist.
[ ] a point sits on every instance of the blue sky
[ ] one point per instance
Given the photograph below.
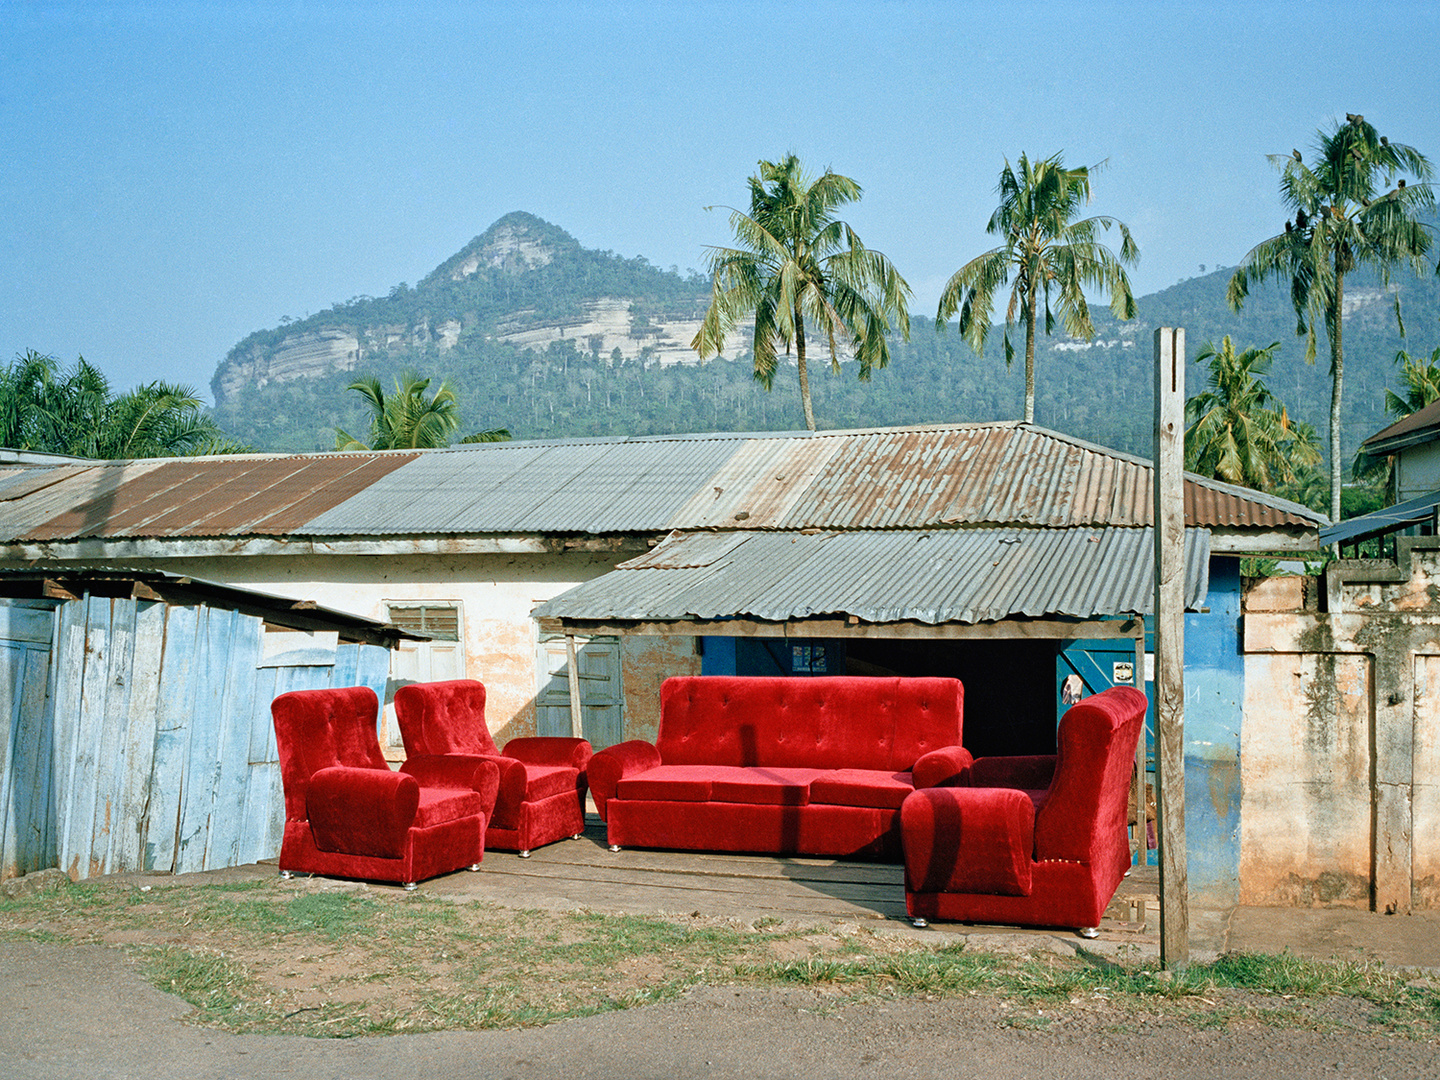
(176, 175)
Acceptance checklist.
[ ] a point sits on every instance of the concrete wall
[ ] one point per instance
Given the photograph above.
(1341, 748)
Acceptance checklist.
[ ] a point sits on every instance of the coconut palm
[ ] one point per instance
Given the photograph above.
(1238, 432)
(796, 263)
(1421, 378)
(404, 420)
(407, 420)
(1049, 253)
(1351, 209)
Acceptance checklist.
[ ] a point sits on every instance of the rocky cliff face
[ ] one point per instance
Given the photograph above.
(523, 282)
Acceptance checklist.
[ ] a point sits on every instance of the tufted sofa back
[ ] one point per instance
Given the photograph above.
(444, 718)
(315, 729)
(828, 722)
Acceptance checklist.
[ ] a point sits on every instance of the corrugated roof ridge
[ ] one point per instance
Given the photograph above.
(1275, 502)
(1418, 421)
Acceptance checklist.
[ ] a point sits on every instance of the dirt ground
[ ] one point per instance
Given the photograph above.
(82, 1011)
(77, 999)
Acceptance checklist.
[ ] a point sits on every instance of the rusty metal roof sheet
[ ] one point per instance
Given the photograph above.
(932, 577)
(244, 495)
(963, 475)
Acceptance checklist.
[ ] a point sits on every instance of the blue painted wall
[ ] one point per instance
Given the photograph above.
(1214, 698)
(772, 656)
(717, 655)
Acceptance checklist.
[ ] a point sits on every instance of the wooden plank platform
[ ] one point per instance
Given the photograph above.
(584, 873)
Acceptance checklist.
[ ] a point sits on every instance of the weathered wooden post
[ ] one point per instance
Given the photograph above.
(572, 667)
(1170, 644)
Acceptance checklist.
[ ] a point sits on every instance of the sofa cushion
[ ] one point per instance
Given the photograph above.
(439, 805)
(861, 787)
(543, 781)
(668, 783)
(767, 787)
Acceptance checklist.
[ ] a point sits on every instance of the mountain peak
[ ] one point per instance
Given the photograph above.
(517, 243)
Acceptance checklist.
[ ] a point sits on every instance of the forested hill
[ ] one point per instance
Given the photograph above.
(549, 339)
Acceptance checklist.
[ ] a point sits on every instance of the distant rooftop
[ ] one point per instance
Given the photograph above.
(923, 477)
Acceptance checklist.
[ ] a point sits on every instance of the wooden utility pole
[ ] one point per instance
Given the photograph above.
(1170, 644)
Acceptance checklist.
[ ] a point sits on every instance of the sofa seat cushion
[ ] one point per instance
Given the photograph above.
(861, 787)
(720, 783)
(543, 781)
(761, 786)
(668, 783)
(1037, 797)
(439, 805)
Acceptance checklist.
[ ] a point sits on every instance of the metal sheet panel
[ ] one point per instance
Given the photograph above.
(599, 486)
(237, 496)
(939, 576)
(900, 478)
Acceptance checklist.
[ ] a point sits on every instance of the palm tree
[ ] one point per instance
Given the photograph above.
(22, 393)
(46, 408)
(1421, 377)
(1238, 431)
(797, 262)
(1344, 217)
(1046, 250)
(406, 420)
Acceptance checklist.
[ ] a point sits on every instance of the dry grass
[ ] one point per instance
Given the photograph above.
(325, 958)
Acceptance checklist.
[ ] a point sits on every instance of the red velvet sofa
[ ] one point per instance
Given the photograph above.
(1033, 841)
(348, 814)
(812, 766)
(542, 780)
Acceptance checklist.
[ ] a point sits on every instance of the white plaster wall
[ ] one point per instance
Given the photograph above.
(1425, 855)
(496, 592)
(1305, 831)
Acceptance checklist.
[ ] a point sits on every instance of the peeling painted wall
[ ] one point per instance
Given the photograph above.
(648, 662)
(1425, 799)
(1342, 741)
(1305, 816)
(496, 593)
(1215, 680)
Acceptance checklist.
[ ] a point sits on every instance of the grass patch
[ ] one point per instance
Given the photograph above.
(324, 958)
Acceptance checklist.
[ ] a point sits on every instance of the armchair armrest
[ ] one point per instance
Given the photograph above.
(1030, 773)
(550, 750)
(614, 763)
(968, 840)
(465, 772)
(361, 811)
(947, 767)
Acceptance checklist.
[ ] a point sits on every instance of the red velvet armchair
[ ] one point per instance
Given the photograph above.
(1033, 841)
(347, 814)
(542, 780)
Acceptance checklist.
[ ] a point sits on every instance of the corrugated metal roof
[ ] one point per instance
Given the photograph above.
(237, 496)
(895, 478)
(932, 577)
(288, 611)
(1385, 520)
(579, 486)
(1417, 427)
